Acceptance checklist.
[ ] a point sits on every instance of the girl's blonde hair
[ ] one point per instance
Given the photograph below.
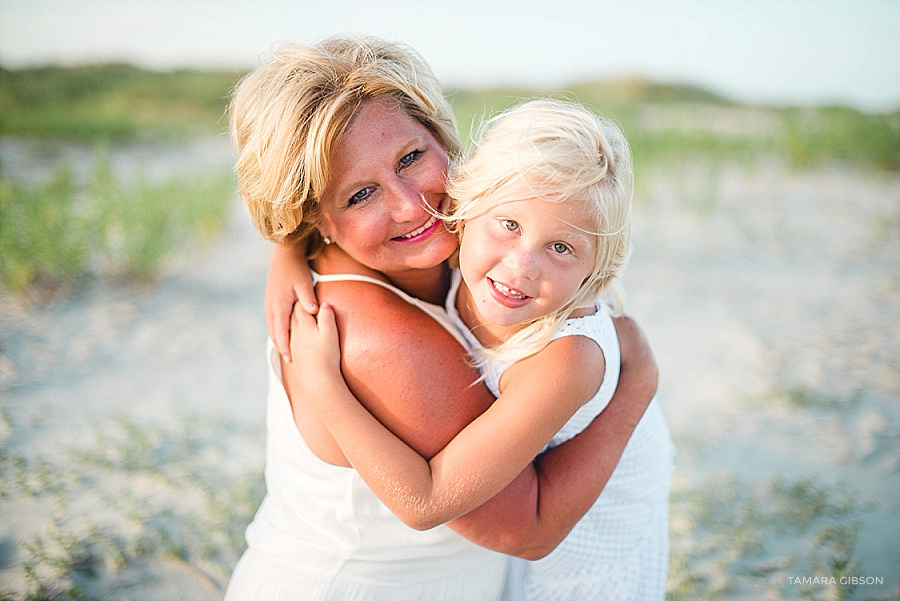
(554, 151)
(288, 115)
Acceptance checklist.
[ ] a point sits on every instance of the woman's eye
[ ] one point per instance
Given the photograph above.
(359, 197)
(410, 158)
(559, 247)
(511, 225)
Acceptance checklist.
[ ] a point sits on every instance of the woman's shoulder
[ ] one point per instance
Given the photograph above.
(354, 289)
(365, 309)
(371, 309)
(402, 364)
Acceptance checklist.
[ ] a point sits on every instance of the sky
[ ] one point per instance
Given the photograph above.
(806, 52)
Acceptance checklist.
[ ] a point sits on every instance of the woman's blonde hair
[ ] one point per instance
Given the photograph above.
(554, 151)
(289, 114)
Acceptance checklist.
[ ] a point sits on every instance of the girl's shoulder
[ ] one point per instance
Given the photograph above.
(596, 324)
(573, 362)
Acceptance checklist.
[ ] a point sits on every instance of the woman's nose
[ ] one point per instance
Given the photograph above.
(406, 202)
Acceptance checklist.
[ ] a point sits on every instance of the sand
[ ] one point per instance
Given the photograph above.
(131, 418)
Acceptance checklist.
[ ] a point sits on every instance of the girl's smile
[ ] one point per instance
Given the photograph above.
(523, 260)
(509, 296)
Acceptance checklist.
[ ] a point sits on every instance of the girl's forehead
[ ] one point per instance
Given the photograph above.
(571, 212)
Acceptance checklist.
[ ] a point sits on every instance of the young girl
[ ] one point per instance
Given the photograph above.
(543, 209)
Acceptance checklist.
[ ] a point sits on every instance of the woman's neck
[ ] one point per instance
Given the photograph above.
(488, 334)
(430, 285)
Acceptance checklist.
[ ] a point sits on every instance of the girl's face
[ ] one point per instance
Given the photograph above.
(525, 259)
(383, 170)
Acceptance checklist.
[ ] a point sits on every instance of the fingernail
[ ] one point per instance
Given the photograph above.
(313, 307)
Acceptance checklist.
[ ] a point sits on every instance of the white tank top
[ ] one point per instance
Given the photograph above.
(323, 523)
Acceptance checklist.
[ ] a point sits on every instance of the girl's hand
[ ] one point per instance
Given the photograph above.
(315, 344)
(289, 284)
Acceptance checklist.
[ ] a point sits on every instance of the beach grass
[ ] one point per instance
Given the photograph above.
(115, 101)
(57, 231)
(674, 125)
(136, 479)
(54, 232)
(744, 539)
(664, 122)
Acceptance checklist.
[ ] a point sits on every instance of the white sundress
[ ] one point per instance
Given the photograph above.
(619, 550)
(321, 534)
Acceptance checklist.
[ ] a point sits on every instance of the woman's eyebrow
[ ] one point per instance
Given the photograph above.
(348, 190)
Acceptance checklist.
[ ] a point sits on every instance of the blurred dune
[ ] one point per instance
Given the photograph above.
(766, 278)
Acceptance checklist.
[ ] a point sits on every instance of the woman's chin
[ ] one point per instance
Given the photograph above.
(433, 252)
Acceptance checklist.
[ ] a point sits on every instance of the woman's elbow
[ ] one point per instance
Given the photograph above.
(535, 550)
(526, 543)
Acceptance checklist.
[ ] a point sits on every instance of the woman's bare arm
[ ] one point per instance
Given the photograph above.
(288, 283)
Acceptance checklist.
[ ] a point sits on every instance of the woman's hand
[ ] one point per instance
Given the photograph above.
(289, 284)
(315, 344)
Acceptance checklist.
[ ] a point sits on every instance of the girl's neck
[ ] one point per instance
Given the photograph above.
(488, 334)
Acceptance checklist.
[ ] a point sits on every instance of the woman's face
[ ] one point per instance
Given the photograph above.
(383, 170)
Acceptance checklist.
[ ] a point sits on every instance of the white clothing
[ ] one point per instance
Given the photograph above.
(322, 534)
(619, 550)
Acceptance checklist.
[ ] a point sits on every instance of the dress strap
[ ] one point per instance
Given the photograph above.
(437, 313)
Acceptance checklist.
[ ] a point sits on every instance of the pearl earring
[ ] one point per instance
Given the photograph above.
(327, 240)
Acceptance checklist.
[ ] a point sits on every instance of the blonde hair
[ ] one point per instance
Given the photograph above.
(555, 151)
(288, 115)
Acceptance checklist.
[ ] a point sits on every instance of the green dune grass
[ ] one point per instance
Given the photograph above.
(54, 231)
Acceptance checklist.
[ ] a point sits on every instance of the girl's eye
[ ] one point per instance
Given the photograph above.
(511, 225)
(410, 158)
(559, 247)
(359, 197)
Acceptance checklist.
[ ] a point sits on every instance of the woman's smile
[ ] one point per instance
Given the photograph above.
(420, 233)
(387, 180)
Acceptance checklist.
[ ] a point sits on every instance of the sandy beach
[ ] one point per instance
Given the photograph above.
(132, 417)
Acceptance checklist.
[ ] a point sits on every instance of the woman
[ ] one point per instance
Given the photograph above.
(338, 148)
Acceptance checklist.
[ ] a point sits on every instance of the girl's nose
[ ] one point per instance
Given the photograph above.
(522, 263)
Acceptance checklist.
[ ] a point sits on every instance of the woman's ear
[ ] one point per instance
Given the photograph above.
(325, 237)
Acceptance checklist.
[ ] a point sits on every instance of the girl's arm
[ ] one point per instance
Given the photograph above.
(478, 462)
(288, 283)
(413, 376)
(532, 515)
